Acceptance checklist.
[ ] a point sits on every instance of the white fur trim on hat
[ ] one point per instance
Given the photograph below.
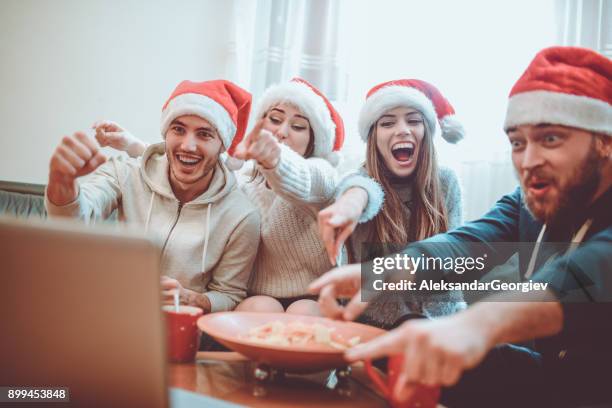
(313, 107)
(391, 97)
(204, 107)
(531, 108)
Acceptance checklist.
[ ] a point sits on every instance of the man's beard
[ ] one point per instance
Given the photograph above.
(573, 198)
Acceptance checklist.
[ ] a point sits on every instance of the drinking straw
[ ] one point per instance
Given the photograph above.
(176, 301)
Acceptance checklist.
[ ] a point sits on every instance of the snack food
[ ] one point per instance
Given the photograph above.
(299, 334)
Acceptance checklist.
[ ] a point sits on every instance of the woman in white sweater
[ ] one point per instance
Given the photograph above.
(294, 146)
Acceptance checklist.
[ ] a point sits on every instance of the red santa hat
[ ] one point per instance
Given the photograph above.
(326, 123)
(411, 93)
(567, 86)
(222, 103)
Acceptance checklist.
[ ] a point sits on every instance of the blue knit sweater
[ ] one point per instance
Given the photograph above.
(386, 311)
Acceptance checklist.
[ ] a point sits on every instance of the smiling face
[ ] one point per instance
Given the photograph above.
(560, 168)
(290, 126)
(193, 146)
(399, 136)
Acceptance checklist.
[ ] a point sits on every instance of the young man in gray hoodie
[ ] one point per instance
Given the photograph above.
(179, 191)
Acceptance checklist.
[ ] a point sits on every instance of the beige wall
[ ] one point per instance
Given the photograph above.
(64, 64)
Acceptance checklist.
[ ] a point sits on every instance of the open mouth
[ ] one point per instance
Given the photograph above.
(403, 151)
(187, 160)
(539, 187)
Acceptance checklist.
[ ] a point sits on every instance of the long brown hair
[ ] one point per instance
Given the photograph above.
(428, 213)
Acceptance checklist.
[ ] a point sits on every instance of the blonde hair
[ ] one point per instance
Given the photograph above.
(257, 176)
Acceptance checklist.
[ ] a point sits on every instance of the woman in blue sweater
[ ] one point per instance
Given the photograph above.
(398, 123)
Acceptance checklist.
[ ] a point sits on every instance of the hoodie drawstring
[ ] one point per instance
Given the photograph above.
(206, 236)
(576, 239)
(148, 219)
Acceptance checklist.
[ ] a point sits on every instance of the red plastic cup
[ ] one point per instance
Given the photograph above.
(182, 332)
(422, 396)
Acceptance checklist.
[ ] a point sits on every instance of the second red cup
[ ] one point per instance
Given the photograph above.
(422, 396)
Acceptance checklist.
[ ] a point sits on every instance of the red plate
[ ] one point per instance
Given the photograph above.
(231, 329)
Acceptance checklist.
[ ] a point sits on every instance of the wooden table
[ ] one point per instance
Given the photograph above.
(230, 376)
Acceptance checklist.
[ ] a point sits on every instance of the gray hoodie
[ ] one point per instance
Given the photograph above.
(209, 244)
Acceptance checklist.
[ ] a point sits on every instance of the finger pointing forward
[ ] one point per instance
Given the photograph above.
(243, 147)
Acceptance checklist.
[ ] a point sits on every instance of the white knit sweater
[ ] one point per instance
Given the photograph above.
(291, 254)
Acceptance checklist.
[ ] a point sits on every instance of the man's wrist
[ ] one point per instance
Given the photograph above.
(193, 298)
(478, 321)
(512, 317)
(62, 192)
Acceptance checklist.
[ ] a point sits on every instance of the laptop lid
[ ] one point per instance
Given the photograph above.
(80, 308)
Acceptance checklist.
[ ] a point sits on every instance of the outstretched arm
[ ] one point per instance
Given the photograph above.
(438, 351)
(305, 181)
(358, 200)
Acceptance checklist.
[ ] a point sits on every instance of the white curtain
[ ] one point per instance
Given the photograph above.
(586, 23)
(275, 40)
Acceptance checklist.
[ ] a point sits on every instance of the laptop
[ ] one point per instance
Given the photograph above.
(80, 308)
